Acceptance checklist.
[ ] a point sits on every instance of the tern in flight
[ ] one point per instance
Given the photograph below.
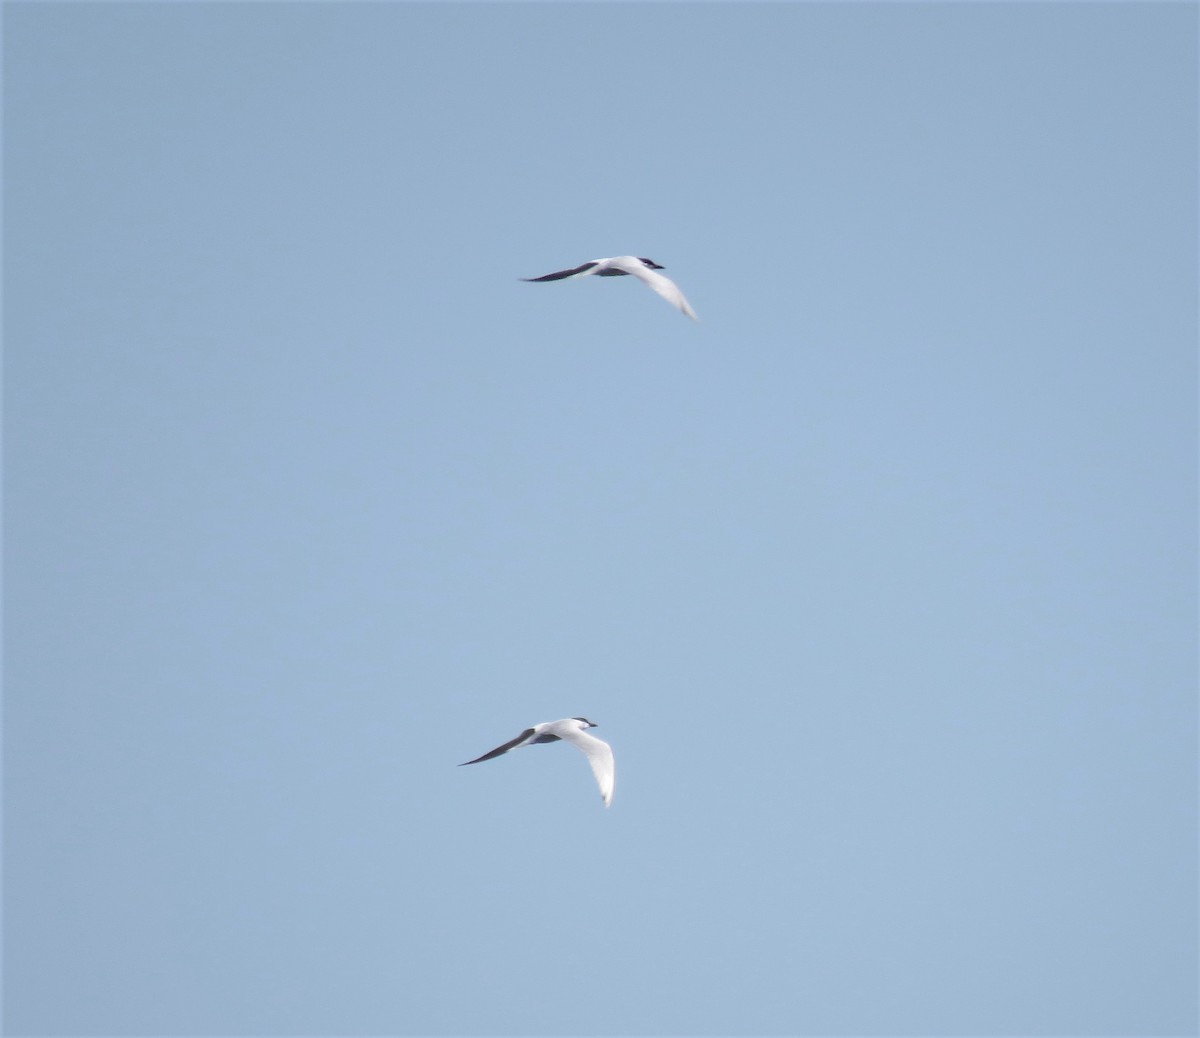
(645, 270)
(574, 731)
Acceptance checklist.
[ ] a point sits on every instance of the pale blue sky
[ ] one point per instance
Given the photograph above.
(880, 579)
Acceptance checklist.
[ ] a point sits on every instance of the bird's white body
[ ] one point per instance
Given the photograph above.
(646, 271)
(574, 731)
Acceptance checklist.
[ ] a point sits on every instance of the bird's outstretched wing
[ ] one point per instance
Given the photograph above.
(600, 757)
(558, 275)
(661, 284)
(510, 745)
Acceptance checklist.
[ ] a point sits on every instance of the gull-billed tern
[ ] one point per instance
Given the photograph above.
(645, 270)
(574, 731)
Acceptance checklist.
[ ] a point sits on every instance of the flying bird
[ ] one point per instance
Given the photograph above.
(645, 270)
(574, 731)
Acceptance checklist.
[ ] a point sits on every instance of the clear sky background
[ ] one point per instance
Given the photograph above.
(880, 579)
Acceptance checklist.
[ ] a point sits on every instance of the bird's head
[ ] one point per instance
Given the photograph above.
(586, 723)
(651, 264)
